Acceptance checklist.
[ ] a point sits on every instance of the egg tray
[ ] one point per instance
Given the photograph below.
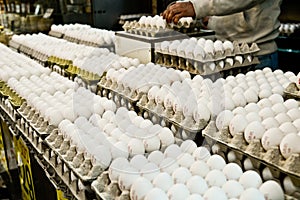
(260, 158)
(35, 55)
(107, 190)
(202, 67)
(59, 152)
(292, 92)
(184, 130)
(111, 92)
(14, 45)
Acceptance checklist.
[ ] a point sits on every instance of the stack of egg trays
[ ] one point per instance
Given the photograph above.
(272, 159)
(166, 119)
(196, 66)
(110, 91)
(171, 29)
(292, 92)
(77, 183)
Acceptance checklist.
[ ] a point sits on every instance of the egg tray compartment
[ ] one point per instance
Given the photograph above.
(260, 158)
(185, 129)
(111, 92)
(39, 57)
(292, 92)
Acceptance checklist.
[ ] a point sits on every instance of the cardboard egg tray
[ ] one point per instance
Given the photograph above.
(55, 34)
(14, 45)
(182, 128)
(111, 91)
(272, 159)
(292, 92)
(201, 66)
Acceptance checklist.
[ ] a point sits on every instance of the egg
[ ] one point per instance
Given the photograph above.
(233, 189)
(119, 149)
(199, 168)
(253, 116)
(282, 118)
(294, 113)
(279, 108)
(232, 167)
(289, 145)
(185, 160)
(216, 162)
(156, 193)
(163, 181)
(196, 185)
(201, 153)
(237, 124)
(140, 187)
(188, 146)
(254, 130)
(138, 161)
(178, 192)
(168, 165)
(150, 171)
(272, 190)
(265, 113)
(181, 175)
(276, 98)
(252, 107)
(265, 103)
(215, 193)
(250, 179)
(223, 119)
(252, 193)
(166, 137)
(195, 197)
(239, 99)
(288, 127)
(270, 122)
(127, 177)
(271, 138)
(240, 111)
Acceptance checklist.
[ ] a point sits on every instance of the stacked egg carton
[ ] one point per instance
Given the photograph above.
(293, 89)
(84, 34)
(157, 26)
(289, 28)
(83, 149)
(205, 57)
(265, 133)
(186, 107)
(126, 86)
(182, 172)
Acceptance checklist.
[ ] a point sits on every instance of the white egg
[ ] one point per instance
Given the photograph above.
(201, 153)
(252, 193)
(279, 108)
(288, 127)
(163, 181)
(254, 130)
(252, 107)
(297, 123)
(156, 193)
(250, 179)
(196, 185)
(223, 119)
(265, 103)
(232, 167)
(233, 189)
(178, 192)
(239, 99)
(215, 193)
(276, 98)
(195, 197)
(156, 157)
(215, 178)
(181, 175)
(289, 145)
(266, 112)
(272, 190)
(216, 162)
(166, 137)
(200, 168)
(188, 146)
(282, 117)
(237, 124)
(271, 138)
(151, 143)
(294, 113)
(127, 177)
(240, 111)
(253, 116)
(140, 187)
(119, 149)
(185, 160)
(138, 161)
(270, 122)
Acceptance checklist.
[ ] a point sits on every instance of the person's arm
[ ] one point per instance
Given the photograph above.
(204, 8)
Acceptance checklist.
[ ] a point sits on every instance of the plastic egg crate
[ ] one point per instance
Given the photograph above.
(88, 145)
(267, 132)
(126, 86)
(204, 56)
(289, 28)
(293, 89)
(157, 26)
(182, 172)
(84, 34)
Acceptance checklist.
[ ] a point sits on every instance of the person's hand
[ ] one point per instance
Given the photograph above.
(178, 10)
